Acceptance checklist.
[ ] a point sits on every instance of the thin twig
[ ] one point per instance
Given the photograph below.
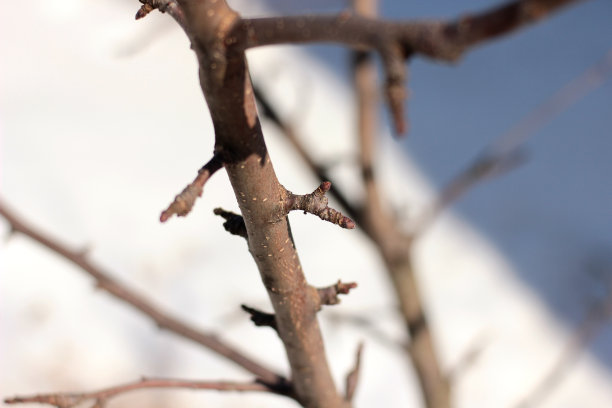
(129, 296)
(70, 400)
(184, 201)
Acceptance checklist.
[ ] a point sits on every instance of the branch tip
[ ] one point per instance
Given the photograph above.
(260, 318)
(185, 200)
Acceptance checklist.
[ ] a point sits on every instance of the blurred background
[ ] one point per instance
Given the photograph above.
(102, 122)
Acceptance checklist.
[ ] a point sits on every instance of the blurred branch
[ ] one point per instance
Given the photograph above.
(506, 152)
(596, 318)
(397, 41)
(122, 292)
(100, 398)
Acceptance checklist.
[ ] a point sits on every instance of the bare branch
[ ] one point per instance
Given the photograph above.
(163, 320)
(71, 400)
(260, 318)
(183, 202)
(234, 223)
(440, 40)
(329, 294)
(352, 377)
(316, 203)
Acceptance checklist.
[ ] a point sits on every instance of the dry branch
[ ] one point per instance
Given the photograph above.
(184, 201)
(99, 398)
(118, 290)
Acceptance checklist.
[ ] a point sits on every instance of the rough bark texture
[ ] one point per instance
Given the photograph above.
(218, 43)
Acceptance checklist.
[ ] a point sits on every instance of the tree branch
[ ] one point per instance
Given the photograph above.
(121, 292)
(183, 202)
(71, 400)
(219, 42)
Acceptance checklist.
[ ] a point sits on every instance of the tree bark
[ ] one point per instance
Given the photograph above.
(219, 43)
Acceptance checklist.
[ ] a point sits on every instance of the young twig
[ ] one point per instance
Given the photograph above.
(183, 202)
(118, 290)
